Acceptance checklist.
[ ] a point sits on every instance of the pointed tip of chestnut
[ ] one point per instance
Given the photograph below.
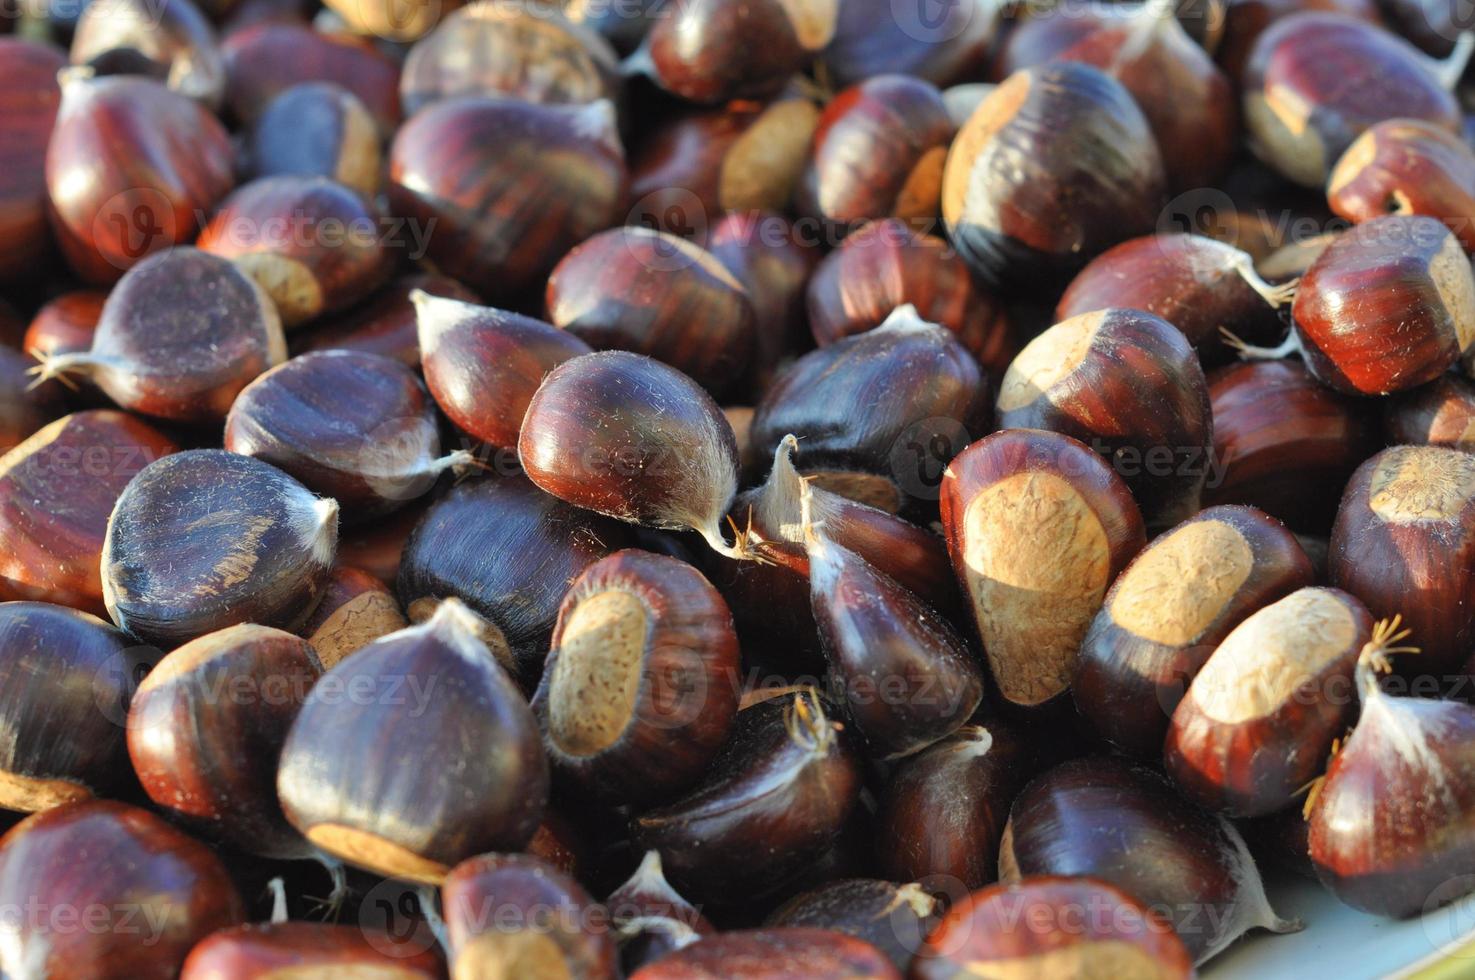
(598, 121)
(435, 315)
(906, 317)
(69, 76)
(322, 529)
(456, 623)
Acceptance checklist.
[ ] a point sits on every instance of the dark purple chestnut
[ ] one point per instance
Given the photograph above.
(647, 291)
(352, 426)
(1261, 715)
(503, 216)
(170, 41)
(773, 261)
(641, 683)
(1055, 166)
(891, 917)
(1407, 166)
(28, 104)
(317, 129)
(1441, 413)
(1102, 817)
(945, 45)
(1038, 526)
(355, 610)
(377, 769)
(205, 539)
(265, 59)
(384, 323)
(1169, 610)
(1245, 20)
(262, 950)
(772, 954)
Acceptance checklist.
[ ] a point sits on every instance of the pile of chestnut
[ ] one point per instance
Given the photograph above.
(729, 488)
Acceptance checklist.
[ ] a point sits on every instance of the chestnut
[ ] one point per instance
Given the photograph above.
(893, 918)
(1194, 282)
(384, 323)
(317, 129)
(512, 915)
(1407, 166)
(471, 166)
(533, 53)
(650, 292)
(1434, 27)
(878, 152)
(1284, 443)
(130, 168)
(879, 413)
(179, 337)
(781, 789)
(1037, 526)
(28, 104)
(945, 45)
(766, 253)
(259, 951)
(1102, 817)
(67, 681)
(356, 609)
(1188, 101)
(1440, 413)
(641, 683)
(205, 539)
(1168, 611)
(1315, 81)
(773, 954)
(1071, 926)
(352, 426)
(1401, 544)
(1263, 711)
(886, 264)
(264, 59)
(653, 919)
(416, 700)
(206, 727)
(1055, 166)
(1392, 823)
(170, 41)
(66, 324)
(626, 436)
(1245, 20)
(1127, 383)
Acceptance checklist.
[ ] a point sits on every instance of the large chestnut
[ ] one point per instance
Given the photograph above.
(1169, 610)
(28, 104)
(1407, 166)
(1055, 166)
(317, 129)
(170, 41)
(1441, 413)
(376, 769)
(263, 60)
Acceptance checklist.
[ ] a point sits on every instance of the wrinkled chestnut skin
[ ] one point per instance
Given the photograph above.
(1192, 586)
(1440, 413)
(1285, 444)
(317, 129)
(1071, 926)
(503, 218)
(1406, 166)
(355, 610)
(263, 60)
(383, 323)
(774, 954)
(513, 915)
(28, 104)
(57, 490)
(893, 918)
(1055, 166)
(101, 854)
(261, 950)
(774, 263)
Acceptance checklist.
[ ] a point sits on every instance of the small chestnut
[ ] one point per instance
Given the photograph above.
(317, 129)
(1407, 166)
(1440, 413)
(28, 104)
(170, 41)
(66, 324)
(355, 610)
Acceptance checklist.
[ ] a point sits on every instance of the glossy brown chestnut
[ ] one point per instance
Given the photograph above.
(1194, 282)
(650, 292)
(317, 129)
(382, 778)
(878, 152)
(1258, 720)
(131, 869)
(1170, 609)
(1102, 817)
(510, 915)
(1392, 824)
(1407, 166)
(1188, 101)
(265, 59)
(886, 264)
(262, 950)
(1245, 20)
(1284, 443)
(1314, 81)
(1055, 166)
(28, 104)
(769, 256)
(355, 610)
(1402, 544)
(641, 683)
(1038, 526)
(779, 792)
(510, 552)
(352, 426)
(531, 52)
(1441, 413)
(57, 490)
(473, 165)
(205, 731)
(180, 335)
(170, 41)
(881, 413)
(205, 539)
(385, 323)
(130, 169)
(67, 680)
(66, 324)
(893, 918)
(773, 954)
(1128, 384)
(1071, 926)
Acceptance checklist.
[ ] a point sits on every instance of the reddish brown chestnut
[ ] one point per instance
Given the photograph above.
(265, 59)
(171, 41)
(1407, 166)
(1165, 615)
(317, 129)
(1441, 413)
(1258, 720)
(355, 610)
(423, 803)
(1055, 166)
(28, 104)
(1038, 527)
(385, 323)
(641, 684)
(133, 867)
(66, 324)
(946, 46)
(259, 951)
(205, 539)
(772, 954)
